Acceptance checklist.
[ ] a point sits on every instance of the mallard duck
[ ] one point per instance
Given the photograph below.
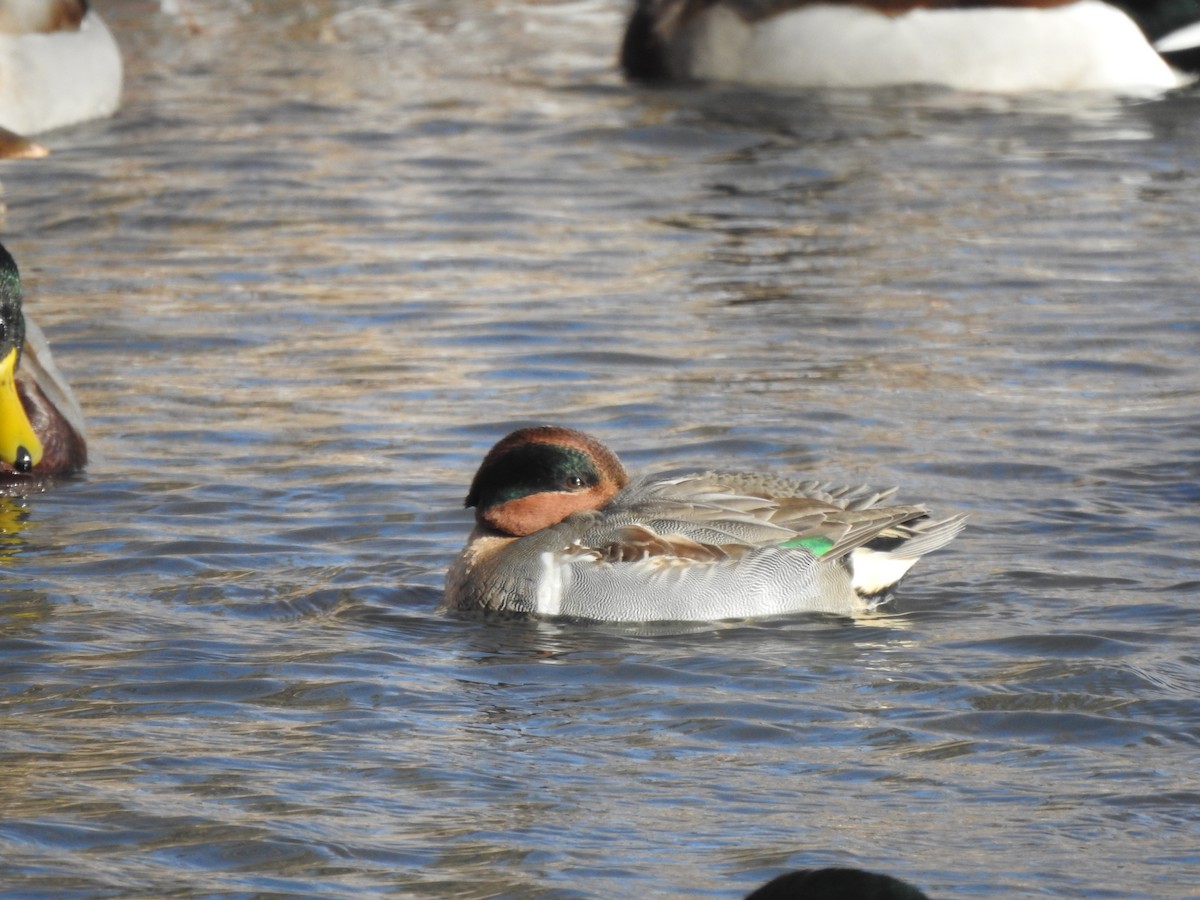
(41, 426)
(561, 530)
(836, 884)
(59, 65)
(982, 45)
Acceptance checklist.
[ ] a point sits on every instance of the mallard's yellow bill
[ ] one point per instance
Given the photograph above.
(19, 446)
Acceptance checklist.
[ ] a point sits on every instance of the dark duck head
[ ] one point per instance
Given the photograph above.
(41, 427)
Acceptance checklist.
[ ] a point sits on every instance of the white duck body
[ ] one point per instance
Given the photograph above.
(57, 78)
(1086, 45)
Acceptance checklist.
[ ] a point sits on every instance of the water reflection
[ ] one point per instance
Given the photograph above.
(14, 517)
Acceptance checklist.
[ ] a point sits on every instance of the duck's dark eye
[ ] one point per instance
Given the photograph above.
(574, 482)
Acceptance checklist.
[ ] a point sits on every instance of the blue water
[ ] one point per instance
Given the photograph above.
(328, 253)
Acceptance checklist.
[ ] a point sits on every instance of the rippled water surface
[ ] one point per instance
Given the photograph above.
(329, 252)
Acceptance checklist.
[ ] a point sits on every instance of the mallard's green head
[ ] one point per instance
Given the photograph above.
(19, 445)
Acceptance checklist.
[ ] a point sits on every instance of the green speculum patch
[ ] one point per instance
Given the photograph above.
(816, 545)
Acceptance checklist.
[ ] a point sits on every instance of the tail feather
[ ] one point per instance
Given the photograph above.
(1181, 39)
(875, 570)
(925, 536)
